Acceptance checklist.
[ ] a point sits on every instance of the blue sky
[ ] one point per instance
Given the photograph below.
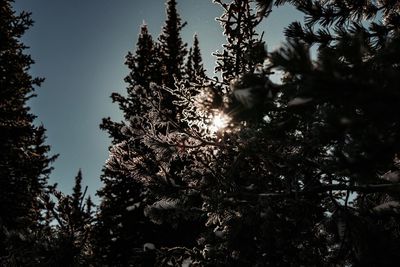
(80, 48)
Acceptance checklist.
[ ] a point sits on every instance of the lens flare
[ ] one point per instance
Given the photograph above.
(219, 122)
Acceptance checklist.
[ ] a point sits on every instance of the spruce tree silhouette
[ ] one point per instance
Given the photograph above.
(72, 219)
(341, 110)
(172, 52)
(194, 69)
(173, 49)
(123, 220)
(24, 159)
(250, 173)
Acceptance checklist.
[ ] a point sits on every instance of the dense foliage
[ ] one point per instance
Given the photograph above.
(230, 171)
(39, 226)
(277, 175)
(123, 219)
(24, 160)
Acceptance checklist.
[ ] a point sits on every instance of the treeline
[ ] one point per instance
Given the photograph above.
(233, 170)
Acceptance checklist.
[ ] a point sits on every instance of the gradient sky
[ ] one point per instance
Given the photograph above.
(80, 48)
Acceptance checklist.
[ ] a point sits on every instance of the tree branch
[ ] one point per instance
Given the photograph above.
(367, 189)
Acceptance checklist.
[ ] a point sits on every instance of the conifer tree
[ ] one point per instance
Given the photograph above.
(172, 53)
(343, 104)
(240, 170)
(173, 49)
(276, 188)
(144, 68)
(189, 70)
(324, 136)
(139, 200)
(71, 220)
(194, 64)
(24, 160)
(243, 49)
(121, 222)
(197, 59)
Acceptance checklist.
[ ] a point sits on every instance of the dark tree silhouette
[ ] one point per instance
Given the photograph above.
(197, 59)
(135, 201)
(242, 51)
(172, 53)
(341, 110)
(309, 175)
(145, 67)
(173, 49)
(24, 160)
(121, 222)
(71, 218)
(189, 71)
(245, 172)
(194, 68)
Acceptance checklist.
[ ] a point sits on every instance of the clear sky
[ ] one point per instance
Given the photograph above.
(80, 48)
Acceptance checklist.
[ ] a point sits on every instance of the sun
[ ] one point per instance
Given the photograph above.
(219, 122)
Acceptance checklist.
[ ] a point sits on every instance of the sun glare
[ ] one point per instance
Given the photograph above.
(219, 122)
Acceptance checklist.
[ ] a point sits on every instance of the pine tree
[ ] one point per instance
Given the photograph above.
(24, 160)
(172, 53)
(189, 70)
(139, 200)
(194, 69)
(144, 68)
(173, 49)
(197, 60)
(71, 221)
(246, 225)
(121, 222)
(186, 170)
(346, 107)
(243, 50)
(274, 188)
(328, 132)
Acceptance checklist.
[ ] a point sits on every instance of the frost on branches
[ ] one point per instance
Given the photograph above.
(244, 172)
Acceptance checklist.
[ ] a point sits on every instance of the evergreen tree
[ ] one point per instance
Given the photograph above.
(239, 169)
(243, 50)
(173, 49)
(121, 222)
(197, 60)
(189, 71)
(172, 53)
(308, 176)
(138, 191)
(71, 220)
(342, 106)
(194, 68)
(327, 133)
(144, 68)
(24, 160)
